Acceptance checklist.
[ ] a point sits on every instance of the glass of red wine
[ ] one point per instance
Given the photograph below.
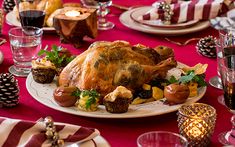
(225, 47)
(227, 73)
(103, 24)
(32, 12)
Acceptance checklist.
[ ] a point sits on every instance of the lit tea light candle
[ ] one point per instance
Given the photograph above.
(74, 23)
(72, 13)
(196, 123)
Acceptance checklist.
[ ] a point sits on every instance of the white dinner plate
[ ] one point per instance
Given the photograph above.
(126, 20)
(43, 93)
(11, 19)
(135, 15)
(98, 141)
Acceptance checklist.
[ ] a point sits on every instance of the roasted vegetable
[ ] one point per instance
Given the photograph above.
(193, 89)
(145, 94)
(64, 96)
(157, 93)
(176, 93)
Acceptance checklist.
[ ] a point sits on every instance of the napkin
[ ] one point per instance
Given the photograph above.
(19, 133)
(184, 11)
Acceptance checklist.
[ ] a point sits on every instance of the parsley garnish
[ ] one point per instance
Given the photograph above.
(77, 93)
(92, 96)
(190, 76)
(172, 80)
(55, 56)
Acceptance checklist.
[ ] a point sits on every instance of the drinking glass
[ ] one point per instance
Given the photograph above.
(90, 3)
(25, 44)
(227, 72)
(161, 138)
(31, 12)
(225, 47)
(103, 24)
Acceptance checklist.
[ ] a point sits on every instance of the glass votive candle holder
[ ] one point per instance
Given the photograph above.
(196, 123)
(160, 139)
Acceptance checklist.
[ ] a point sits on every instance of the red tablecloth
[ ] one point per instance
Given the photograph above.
(121, 132)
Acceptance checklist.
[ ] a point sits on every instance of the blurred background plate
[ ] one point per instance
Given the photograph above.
(11, 19)
(98, 141)
(126, 20)
(220, 23)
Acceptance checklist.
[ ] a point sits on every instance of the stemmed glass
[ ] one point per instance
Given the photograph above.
(103, 24)
(225, 47)
(32, 12)
(221, 51)
(90, 4)
(228, 80)
(216, 80)
(227, 72)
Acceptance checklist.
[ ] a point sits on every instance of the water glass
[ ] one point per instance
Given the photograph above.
(25, 44)
(161, 138)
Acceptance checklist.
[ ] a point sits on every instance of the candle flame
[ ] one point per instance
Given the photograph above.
(196, 128)
(72, 13)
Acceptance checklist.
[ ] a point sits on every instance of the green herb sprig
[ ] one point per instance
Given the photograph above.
(55, 56)
(190, 76)
(92, 96)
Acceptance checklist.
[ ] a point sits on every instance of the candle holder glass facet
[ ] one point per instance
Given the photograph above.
(196, 123)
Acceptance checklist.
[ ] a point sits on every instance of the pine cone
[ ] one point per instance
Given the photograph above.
(8, 5)
(9, 90)
(207, 46)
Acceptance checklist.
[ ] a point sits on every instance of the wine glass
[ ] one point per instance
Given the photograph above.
(227, 72)
(90, 3)
(32, 12)
(225, 47)
(161, 138)
(103, 24)
(221, 50)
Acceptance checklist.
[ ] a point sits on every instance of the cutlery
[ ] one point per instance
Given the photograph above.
(125, 8)
(182, 43)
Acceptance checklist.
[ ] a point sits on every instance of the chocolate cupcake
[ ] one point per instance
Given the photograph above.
(43, 71)
(118, 101)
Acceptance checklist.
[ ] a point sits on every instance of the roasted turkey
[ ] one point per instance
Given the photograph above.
(106, 65)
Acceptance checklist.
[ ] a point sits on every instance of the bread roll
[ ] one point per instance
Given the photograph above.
(52, 5)
(71, 5)
(49, 21)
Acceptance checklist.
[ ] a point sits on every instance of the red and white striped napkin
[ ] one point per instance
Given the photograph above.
(190, 10)
(21, 133)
